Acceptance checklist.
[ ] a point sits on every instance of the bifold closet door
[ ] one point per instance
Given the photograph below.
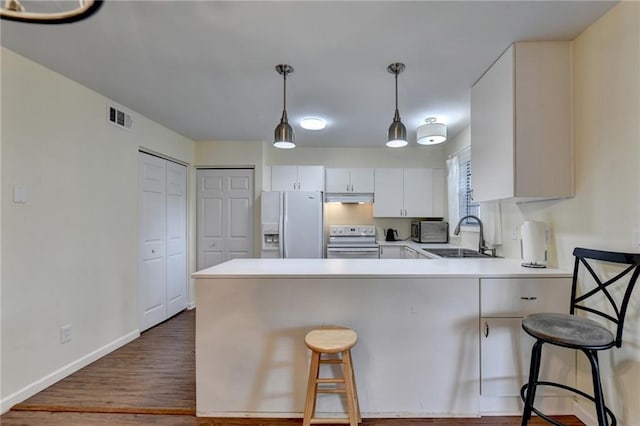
(162, 271)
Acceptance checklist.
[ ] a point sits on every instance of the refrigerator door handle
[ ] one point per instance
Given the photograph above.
(281, 223)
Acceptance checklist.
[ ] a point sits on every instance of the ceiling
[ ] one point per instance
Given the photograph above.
(206, 69)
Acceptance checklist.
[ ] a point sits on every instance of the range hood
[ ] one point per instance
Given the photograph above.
(348, 197)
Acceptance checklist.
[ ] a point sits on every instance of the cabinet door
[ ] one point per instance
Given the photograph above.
(388, 193)
(505, 352)
(284, 178)
(362, 180)
(310, 178)
(409, 253)
(418, 192)
(390, 252)
(337, 180)
(518, 297)
(492, 131)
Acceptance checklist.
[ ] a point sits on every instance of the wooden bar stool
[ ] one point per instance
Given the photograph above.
(331, 341)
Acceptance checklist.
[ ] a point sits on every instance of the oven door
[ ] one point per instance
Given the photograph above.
(352, 252)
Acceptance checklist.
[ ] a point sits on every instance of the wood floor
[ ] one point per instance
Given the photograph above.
(152, 381)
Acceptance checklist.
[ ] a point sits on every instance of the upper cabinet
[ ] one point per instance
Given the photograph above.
(408, 193)
(357, 180)
(297, 178)
(521, 125)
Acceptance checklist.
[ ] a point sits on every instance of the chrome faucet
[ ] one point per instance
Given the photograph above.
(482, 248)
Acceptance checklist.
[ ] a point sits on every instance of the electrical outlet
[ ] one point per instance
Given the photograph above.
(514, 234)
(65, 333)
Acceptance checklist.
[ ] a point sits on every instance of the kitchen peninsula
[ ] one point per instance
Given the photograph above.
(418, 322)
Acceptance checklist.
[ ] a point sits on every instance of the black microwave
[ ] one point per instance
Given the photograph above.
(427, 231)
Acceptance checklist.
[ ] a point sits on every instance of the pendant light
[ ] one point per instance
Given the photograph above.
(67, 13)
(397, 131)
(283, 135)
(432, 133)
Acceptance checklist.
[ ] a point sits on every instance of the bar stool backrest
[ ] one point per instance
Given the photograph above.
(624, 283)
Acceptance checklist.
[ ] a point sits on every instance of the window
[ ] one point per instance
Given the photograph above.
(466, 205)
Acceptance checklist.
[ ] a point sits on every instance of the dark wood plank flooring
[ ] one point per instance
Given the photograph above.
(152, 381)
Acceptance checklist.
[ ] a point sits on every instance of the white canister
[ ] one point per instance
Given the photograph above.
(533, 244)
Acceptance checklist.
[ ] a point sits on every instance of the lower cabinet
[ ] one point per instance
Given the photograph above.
(505, 349)
(391, 252)
(409, 253)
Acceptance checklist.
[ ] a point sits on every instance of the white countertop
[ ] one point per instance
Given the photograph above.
(376, 268)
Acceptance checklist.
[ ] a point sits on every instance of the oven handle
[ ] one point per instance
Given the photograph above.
(352, 249)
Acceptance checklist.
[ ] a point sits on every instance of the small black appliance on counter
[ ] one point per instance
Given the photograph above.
(391, 235)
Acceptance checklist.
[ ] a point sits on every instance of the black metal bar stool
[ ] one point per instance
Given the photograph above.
(580, 333)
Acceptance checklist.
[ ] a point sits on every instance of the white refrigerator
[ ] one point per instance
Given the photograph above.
(292, 225)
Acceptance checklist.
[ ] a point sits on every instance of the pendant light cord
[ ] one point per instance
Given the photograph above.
(396, 74)
(284, 100)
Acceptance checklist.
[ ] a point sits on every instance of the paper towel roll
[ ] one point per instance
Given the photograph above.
(533, 244)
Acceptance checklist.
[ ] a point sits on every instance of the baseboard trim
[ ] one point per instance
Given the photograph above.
(584, 415)
(43, 383)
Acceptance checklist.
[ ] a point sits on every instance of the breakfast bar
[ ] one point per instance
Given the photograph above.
(418, 322)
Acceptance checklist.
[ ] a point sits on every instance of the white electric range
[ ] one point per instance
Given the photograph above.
(352, 242)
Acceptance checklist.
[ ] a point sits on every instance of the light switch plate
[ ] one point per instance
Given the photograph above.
(19, 194)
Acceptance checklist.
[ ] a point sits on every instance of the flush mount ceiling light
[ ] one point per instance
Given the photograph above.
(313, 123)
(432, 133)
(49, 12)
(283, 135)
(397, 131)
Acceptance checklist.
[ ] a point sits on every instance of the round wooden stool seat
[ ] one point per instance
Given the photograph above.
(331, 341)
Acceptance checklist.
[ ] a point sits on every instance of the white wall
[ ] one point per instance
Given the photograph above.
(605, 212)
(263, 155)
(69, 254)
(411, 156)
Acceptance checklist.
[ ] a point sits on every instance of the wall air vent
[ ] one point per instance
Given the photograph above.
(118, 117)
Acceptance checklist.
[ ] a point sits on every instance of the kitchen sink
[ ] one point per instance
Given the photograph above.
(455, 252)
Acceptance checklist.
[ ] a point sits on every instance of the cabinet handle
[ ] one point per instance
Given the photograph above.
(405, 212)
(153, 251)
(347, 187)
(528, 298)
(486, 329)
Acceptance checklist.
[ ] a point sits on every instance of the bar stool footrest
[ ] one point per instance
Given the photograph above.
(540, 414)
(329, 420)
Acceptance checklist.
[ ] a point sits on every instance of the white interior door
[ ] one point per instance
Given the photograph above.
(176, 238)
(162, 203)
(225, 215)
(152, 270)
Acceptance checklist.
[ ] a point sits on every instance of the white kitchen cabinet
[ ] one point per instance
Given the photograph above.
(409, 253)
(356, 180)
(521, 118)
(505, 349)
(408, 193)
(390, 252)
(297, 178)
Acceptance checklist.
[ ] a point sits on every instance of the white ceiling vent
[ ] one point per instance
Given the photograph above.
(118, 117)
